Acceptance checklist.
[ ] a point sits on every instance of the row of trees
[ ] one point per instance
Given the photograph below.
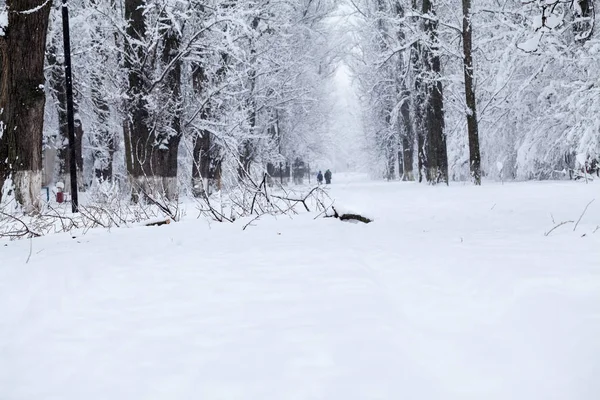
(170, 95)
(455, 89)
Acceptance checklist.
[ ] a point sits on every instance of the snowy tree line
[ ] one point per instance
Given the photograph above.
(170, 96)
(195, 96)
(456, 89)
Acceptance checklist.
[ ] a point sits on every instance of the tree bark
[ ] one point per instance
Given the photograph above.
(418, 99)
(407, 138)
(390, 148)
(22, 99)
(246, 148)
(419, 111)
(437, 156)
(137, 128)
(472, 126)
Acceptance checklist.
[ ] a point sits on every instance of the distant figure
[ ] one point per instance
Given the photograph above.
(320, 178)
(328, 177)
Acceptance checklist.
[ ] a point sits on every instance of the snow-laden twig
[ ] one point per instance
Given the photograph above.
(30, 250)
(17, 233)
(251, 221)
(558, 226)
(582, 214)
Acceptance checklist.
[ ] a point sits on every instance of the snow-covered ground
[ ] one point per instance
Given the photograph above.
(451, 293)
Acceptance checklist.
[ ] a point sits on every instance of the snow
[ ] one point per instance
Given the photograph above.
(38, 8)
(451, 293)
(531, 45)
(3, 22)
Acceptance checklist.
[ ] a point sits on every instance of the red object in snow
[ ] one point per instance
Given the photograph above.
(60, 197)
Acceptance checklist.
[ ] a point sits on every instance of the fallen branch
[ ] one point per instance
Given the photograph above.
(30, 250)
(346, 217)
(582, 214)
(558, 226)
(21, 233)
(350, 217)
(250, 223)
(165, 221)
(302, 200)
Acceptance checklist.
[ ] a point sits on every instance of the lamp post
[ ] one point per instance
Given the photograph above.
(70, 116)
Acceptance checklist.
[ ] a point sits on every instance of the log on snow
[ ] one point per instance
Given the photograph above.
(157, 222)
(350, 217)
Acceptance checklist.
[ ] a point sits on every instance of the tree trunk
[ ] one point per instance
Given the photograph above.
(137, 128)
(472, 127)
(206, 170)
(401, 164)
(390, 147)
(405, 157)
(418, 100)
(172, 88)
(408, 173)
(391, 167)
(437, 156)
(102, 137)
(202, 160)
(153, 152)
(22, 99)
(246, 147)
(419, 111)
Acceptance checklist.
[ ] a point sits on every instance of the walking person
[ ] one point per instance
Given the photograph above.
(320, 178)
(327, 177)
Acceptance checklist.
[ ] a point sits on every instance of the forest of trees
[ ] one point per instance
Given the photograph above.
(170, 96)
(189, 97)
(460, 89)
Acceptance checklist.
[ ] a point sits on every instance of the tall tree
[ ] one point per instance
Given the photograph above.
(168, 140)
(419, 96)
(137, 131)
(406, 124)
(436, 152)
(390, 143)
(472, 125)
(22, 99)
(153, 124)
